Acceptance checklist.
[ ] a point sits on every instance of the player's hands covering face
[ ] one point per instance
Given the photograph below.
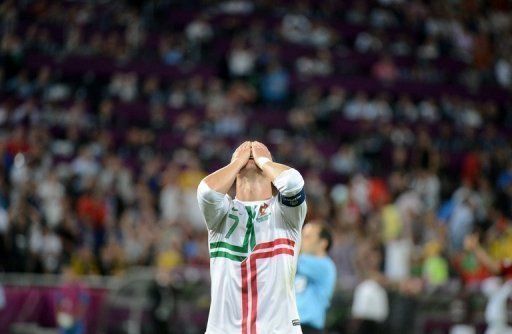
(260, 151)
(242, 154)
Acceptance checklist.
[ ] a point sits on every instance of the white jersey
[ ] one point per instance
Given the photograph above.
(254, 248)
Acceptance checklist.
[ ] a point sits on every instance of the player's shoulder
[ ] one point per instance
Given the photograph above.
(330, 263)
(317, 260)
(326, 261)
(326, 264)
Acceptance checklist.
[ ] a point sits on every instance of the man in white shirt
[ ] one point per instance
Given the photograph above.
(254, 242)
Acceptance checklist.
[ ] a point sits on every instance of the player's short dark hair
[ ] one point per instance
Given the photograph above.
(324, 233)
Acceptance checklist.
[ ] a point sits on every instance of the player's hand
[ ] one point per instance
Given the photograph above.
(260, 151)
(471, 242)
(242, 154)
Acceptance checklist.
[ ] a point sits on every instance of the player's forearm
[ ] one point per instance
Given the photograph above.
(272, 169)
(222, 179)
(487, 261)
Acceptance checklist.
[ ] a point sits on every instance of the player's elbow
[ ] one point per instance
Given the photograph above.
(290, 182)
(205, 193)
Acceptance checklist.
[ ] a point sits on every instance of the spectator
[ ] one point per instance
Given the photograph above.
(345, 160)
(72, 302)
(162, 301)
(320, 36)
(112, 258)
(355, 107)
(171, 50)
(241, 60)
(295, 26)
(17, 242)
(435, 267)
(275, 83)
(320, 65)
(83, 262)
(429, 50)
(406, 110)
(367, 43)
(170, 196)
(385, 70)
(503, 72)
(370, 306)
(188, 179)
(199, 30)
(102, 135)
(334, 101)
(48, 247)
(124, 86)
(428, 111)
(92, 212)
(52, 192)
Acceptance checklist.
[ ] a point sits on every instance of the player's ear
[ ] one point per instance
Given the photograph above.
(324, 244)
(274, 190)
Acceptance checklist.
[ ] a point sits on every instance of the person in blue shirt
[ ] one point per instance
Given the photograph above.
(315, 278)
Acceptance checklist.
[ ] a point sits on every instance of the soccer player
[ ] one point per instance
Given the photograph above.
(253, 242)
(496, 309)
(499, 268)
(316, 277)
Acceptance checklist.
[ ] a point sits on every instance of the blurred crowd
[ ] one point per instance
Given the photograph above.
(101, 156)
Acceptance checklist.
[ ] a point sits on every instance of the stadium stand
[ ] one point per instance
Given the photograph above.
(397, 112)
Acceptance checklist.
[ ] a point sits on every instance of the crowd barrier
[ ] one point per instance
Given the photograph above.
(123, 305)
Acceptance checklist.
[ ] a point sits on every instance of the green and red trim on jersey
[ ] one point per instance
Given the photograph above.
(261, 251)
(226, 250)
(247, 254)
(249, 270)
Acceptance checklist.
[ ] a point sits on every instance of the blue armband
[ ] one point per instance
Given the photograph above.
(294, 200)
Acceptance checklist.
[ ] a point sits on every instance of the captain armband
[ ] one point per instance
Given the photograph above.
(294, 200)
